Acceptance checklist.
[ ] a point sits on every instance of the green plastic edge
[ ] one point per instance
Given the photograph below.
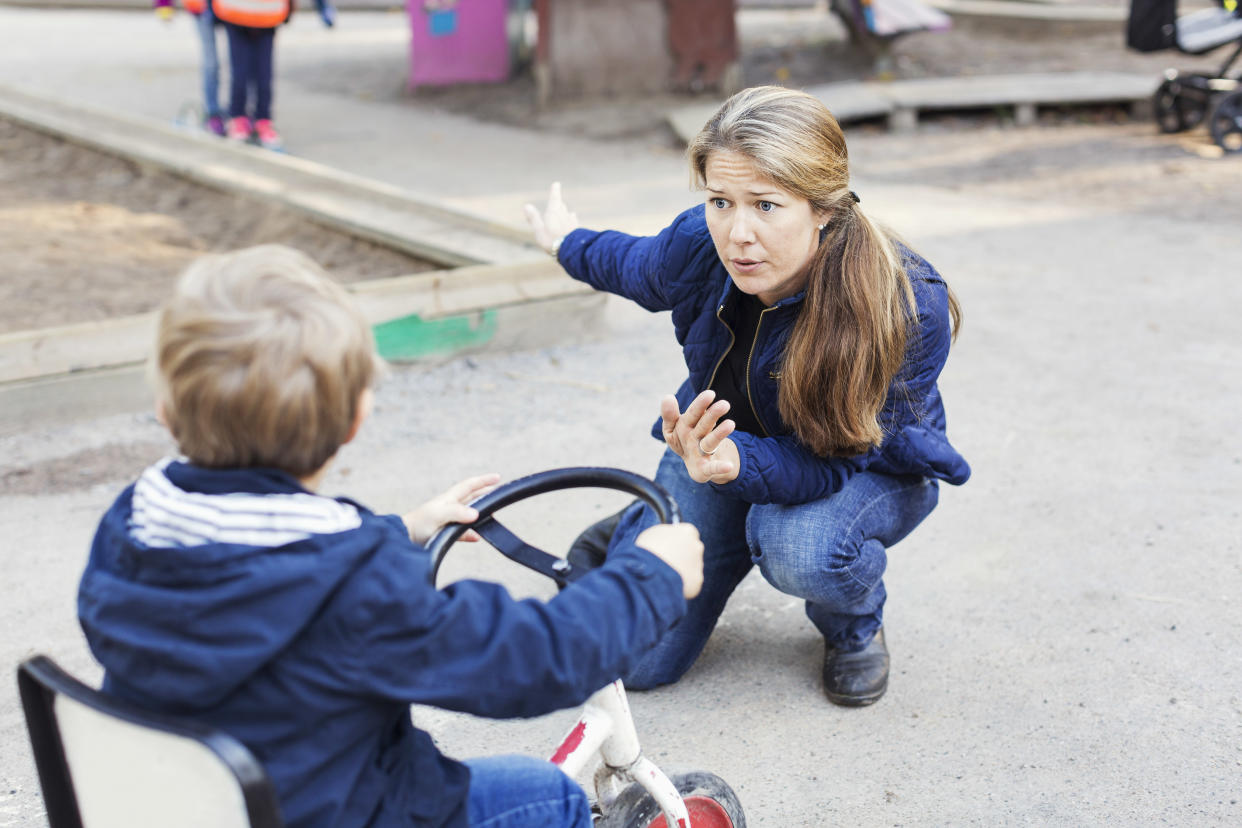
(411, 337)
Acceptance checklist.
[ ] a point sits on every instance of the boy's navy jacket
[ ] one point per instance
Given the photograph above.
(679, 270)
(305, 626)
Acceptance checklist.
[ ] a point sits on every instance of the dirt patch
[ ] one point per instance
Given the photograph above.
(87, 236)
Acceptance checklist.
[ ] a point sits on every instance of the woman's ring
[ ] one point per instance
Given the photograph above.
(705, 451)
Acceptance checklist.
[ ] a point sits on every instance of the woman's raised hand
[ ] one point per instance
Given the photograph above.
(553, 223)
(700, 438)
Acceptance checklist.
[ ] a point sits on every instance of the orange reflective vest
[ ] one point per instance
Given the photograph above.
(259, 14)
(195, 6)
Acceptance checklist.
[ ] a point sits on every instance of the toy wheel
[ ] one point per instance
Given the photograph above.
(1178, 107)
(1226, 122)
(709, 800)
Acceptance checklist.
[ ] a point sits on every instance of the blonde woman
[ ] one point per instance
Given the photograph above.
(809, 437)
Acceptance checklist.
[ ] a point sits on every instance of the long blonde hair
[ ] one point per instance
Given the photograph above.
(849, 340)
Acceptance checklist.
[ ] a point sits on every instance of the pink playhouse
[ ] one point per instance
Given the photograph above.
(458, 41)
(582, 48)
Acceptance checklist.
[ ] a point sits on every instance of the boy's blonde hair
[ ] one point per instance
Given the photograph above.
(261, 360)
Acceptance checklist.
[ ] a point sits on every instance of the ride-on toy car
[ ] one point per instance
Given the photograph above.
(629, 790)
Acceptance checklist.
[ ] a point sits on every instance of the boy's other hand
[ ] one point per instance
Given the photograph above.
(449, 507)
(678, 545)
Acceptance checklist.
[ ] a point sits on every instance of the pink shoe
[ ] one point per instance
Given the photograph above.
(268, 137)
(239, 128)
(215, 125)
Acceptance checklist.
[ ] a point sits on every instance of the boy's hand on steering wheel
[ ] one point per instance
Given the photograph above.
(554, 223)
(679, 546)
(449, 507)
(700, 438)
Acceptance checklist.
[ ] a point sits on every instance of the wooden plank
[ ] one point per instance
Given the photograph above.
(60, 399)
(69, 348)
(436, 295)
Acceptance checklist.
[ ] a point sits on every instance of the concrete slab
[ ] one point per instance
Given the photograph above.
(849, 102)
(854, 101)
(1067, 88)
(688, 120)
(1033, 10)
(1021, 92)
(901, 101)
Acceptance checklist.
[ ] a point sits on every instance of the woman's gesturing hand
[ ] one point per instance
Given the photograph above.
(700, 438)
(553, 223)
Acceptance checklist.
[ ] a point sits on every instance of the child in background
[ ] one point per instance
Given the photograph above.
(327, 12)
(251, 26)
(205, 21)
(222, 587)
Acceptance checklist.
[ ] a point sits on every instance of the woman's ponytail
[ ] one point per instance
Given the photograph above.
(850, 337)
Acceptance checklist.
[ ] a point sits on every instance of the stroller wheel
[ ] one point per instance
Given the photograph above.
(1168, 115)
(1178, 107)
(1226, 122)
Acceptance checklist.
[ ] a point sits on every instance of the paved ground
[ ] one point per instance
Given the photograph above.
(1065, 628)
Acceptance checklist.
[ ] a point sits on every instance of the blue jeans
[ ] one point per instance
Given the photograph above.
(250, 59)
(206, 22)
(830, 552)
(523, 792)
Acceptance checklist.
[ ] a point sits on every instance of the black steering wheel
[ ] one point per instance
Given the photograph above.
(511, 546)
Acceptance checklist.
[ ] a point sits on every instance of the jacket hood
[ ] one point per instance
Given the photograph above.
(198, 578)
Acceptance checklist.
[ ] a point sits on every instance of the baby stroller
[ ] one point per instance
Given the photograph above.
(1184, 99)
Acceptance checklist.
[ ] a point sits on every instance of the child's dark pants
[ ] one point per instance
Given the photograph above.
(250, 59)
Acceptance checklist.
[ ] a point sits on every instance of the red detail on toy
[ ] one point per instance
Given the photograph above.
(704, 811)
(570, 744)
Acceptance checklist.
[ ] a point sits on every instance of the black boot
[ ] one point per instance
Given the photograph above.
(859, 678)
(589, 549)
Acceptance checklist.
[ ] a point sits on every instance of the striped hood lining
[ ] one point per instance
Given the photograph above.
(164, 515)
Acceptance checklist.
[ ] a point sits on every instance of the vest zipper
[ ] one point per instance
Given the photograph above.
(754, 409)
(725, 353)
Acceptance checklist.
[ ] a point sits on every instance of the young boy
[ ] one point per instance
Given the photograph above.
(221, 587)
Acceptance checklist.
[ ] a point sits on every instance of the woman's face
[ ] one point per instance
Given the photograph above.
(764, 235)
